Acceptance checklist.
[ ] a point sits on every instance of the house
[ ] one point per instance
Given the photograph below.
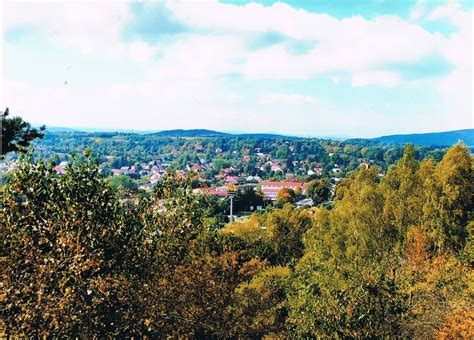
(253, 179)
(214, 191)
(180, 174)
(270, 189)
(219, 176)
(157, 169)
(155, 178)
(276, 167)
(146, 187)
(228, 170)
(231, 179)
(59, 169)
(307, 202)
(196, 167)
(124, 170)
(222, 191)
(319, 170)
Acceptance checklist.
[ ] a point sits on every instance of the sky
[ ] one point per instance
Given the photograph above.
(359, 68)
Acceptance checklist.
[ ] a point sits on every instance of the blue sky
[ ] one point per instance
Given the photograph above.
(350, 68)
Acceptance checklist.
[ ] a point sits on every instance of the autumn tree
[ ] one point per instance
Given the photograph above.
(450, 207)
(344, 284)
(285, 195)
(392, 256)
(285, 228)
(70, 253)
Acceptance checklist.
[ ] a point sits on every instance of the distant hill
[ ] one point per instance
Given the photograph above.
(93, 130)
(432, 139)
(61, 129)
(262, 135)
(190, 133)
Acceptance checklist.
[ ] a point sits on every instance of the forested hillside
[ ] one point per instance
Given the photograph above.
(189, 133)
(120, 149)
(392, 257)
(432, 139)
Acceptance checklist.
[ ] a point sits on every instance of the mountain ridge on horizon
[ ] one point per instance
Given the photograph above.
(443, 138)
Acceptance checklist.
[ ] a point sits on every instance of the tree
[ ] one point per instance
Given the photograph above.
(344, 283)
(262, 302)
(286, 228)
(319, 191)
(70, 253)
(123, 184)
(247, 198)
(17, 134)
(285, 195)
(448, 215)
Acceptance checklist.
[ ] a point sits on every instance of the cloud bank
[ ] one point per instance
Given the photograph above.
(261, 68)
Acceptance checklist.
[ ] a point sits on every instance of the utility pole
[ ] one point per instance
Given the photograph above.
(231, 207)
(232, 189)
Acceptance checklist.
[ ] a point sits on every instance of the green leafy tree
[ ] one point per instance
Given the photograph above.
(69, 254)
(319, 191)
(17, 134)
(449, 201)
(286, 228)
(344, 284)
(123, 184)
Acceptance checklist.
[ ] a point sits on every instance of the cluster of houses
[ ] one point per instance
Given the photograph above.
(227, 177)
(269, 189)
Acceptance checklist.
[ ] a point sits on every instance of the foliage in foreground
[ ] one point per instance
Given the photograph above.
(16, 133)
(392, 257)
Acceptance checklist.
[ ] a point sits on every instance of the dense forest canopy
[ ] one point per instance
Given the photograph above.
(392, 256)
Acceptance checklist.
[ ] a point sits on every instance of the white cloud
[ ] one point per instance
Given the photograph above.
(418, 10)
(92, 27)
(445, 11)
(198, 57)
(456, 89)
(234, 98)
(380, 78)
(286, 99)
(141, 52)
(350, 45)
(188, 83)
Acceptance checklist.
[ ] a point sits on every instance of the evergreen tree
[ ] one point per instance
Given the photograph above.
(17, 134)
